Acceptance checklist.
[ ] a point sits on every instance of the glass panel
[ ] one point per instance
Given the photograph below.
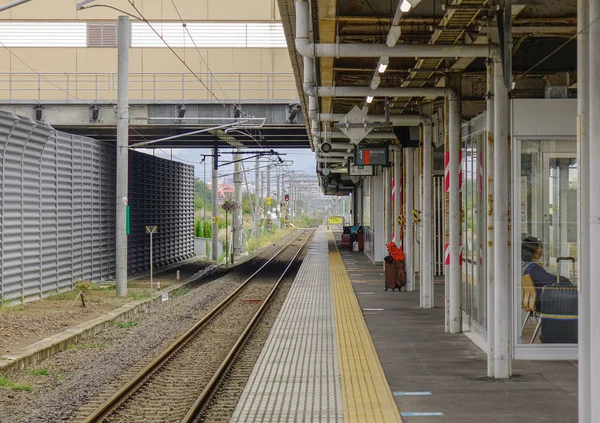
(547, 208)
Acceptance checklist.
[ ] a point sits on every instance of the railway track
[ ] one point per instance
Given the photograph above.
(177, 385)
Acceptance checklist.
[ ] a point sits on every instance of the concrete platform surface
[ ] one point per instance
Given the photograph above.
(443, 376)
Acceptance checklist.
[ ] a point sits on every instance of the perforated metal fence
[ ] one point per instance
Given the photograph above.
(161, 193)
(57, 209)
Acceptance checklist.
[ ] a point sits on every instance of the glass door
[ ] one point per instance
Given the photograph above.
(545, 253)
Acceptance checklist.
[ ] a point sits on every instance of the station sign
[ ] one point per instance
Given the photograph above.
(354, 170)
(371, 155)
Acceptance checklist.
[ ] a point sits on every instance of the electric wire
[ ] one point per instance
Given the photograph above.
(552, 53)
(143, 18)
(9, 49)
(184, 24)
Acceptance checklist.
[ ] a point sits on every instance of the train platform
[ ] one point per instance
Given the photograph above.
(344, 350)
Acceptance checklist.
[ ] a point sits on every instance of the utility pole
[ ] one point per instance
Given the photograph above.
(122, 155)
(215, 204)
(237, 213)
(278, 203)
(256, 197)
(269, 199)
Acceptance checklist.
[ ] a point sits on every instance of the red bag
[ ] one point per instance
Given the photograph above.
(396, 253)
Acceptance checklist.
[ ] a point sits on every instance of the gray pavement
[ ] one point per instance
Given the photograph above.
(419, 357)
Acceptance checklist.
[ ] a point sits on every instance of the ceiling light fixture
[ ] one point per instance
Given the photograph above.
(369, 99)
(405, 6)
(383, 64)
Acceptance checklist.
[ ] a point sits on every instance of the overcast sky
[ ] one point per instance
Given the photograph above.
(303, 159)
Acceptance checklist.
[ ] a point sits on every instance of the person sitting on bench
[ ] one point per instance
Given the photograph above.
(531, 252)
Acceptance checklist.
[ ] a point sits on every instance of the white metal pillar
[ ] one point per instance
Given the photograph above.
(594, 207)
(397, 194)
(502, 277)
(256, 197)
(454, 129)
(122, 155)
(237, 223)
(278, 201)
(427, 293)
(269, 199)
(409, 164)
(215, 204)
(583, 166)
(387, 205)
(489, 256)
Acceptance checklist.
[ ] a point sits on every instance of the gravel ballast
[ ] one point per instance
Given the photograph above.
(54, 389)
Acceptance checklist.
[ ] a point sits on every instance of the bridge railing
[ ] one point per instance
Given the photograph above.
(154, 87)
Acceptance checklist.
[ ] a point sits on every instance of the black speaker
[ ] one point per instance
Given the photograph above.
(407, 135)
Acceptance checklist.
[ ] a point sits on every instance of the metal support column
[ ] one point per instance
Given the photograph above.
(387, 205)
(397, 195)
(454, 129)
(409, 163)
(122, 155)
(489, 256)
(215, 204)
(237, 214)
(502, 277)
(427, 293)
(256, 197)
(583, 166)
(594, 212)
(278, 200)
(269, 198)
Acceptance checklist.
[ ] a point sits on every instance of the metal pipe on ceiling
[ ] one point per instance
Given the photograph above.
(371, 135)
(382, 92)
(404, 120)
(309, 49)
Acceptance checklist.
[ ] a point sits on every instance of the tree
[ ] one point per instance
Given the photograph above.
(199, 188)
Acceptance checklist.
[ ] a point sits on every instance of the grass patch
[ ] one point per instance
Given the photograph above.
(7, 383)
(37, 372)
(137, 295)
(125, 325)
(87, 345)
(180, 292)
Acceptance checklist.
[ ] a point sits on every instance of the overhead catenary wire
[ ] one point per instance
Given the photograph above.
(143, 18)
(184, 24)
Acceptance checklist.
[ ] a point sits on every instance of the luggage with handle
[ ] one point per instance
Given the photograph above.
(395, 275)
(558, 311)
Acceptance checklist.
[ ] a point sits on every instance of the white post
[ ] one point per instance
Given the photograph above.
(215, 204)
(409, 164)
(237, 222)
(594, 214)
(387, 205)
(122, 155)
(502, 276)
(397, 194)
(256, 196)
(151, 268)
(454, 129)
(583, 166)
(489, 257)
(427, 293)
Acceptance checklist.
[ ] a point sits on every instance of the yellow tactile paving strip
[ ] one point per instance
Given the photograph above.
(365, 391)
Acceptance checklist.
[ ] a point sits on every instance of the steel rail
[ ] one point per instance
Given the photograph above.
(126, 391)
(212, 385)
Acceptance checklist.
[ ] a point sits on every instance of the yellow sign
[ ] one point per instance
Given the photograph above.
(216, 219)
(335, 220)
(268, 201)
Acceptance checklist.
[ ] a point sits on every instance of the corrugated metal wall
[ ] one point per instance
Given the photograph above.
(56, 214)
(57, 209)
